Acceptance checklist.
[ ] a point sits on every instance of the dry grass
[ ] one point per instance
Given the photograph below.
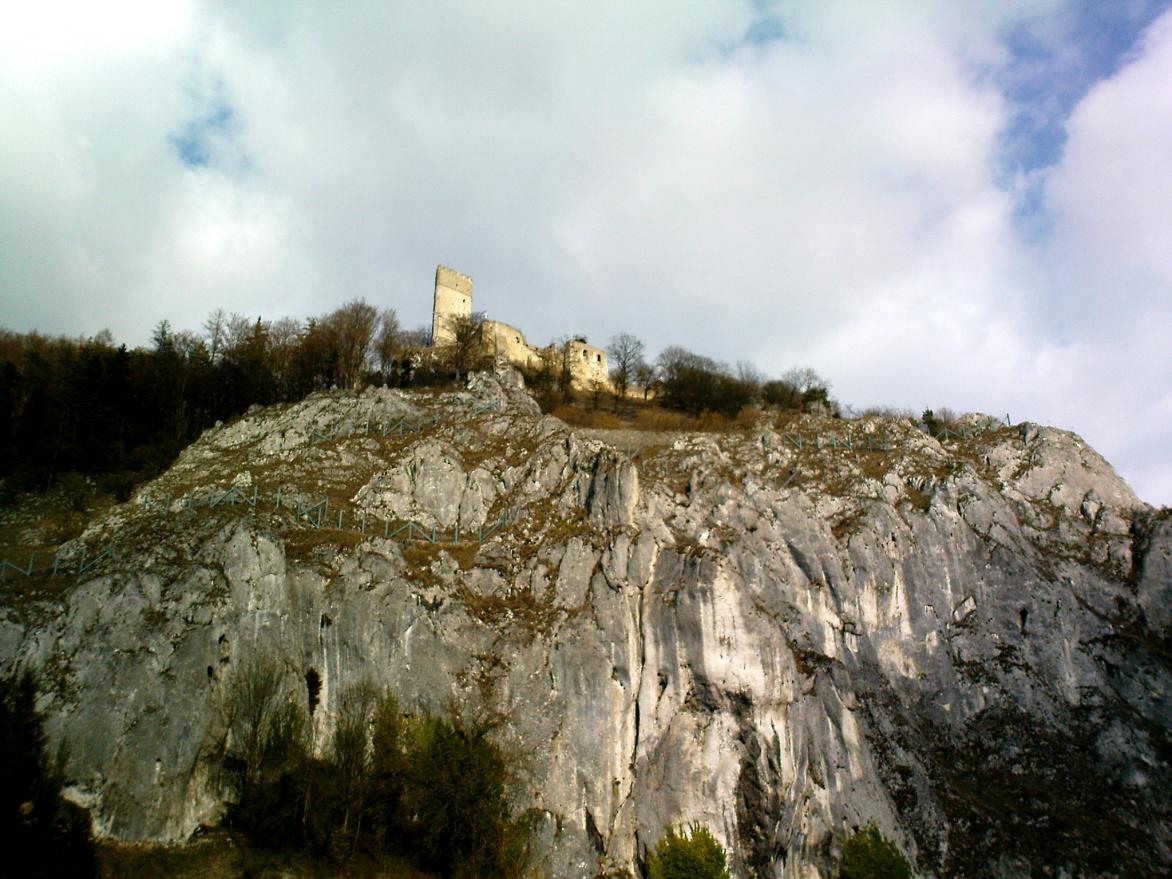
(648, 416)
(518, 609)
(420, 554)
(40, 523)
(302, 543)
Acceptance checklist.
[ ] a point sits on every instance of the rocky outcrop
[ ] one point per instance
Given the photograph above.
(783, 633)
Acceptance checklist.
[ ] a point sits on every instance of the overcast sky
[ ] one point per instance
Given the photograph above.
(962, 204)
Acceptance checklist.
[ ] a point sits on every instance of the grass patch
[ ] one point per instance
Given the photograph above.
(517, 608)
(223, 855)
(302, 544)
(648, 416)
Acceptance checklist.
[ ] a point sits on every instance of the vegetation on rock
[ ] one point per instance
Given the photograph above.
(691, 853)
(432, 790)
(867, 854)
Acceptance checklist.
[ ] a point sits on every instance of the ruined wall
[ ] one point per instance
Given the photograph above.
(587, 364)
(453, 299)
(508, 343)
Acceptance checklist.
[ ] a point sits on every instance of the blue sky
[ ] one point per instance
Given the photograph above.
(1054, 60)
(931, 203)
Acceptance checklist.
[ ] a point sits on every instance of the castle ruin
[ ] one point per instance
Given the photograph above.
(453, 302)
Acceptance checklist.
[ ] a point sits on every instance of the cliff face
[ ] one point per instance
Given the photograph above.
(770, 632)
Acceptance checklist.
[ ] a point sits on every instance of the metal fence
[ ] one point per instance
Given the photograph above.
(318, 515)
(59, 564)
(870, 443)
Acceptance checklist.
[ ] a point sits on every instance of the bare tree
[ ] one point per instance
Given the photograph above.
(254, 698)
(351, 754)
(284, 337)
(387, 340)
(625, 352)
(644, 377)
(216, 326)
(238, 331)
(466, 350)
(354, 327)
(805, 379)
(751, 379)
(420, 337)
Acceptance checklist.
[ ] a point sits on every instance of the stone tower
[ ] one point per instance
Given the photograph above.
(453, 299)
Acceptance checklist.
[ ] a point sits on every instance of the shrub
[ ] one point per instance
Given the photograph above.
(936, 423)
(431, 788)
(41, 833)
(866, 854)
(689, 854)
(267, 755)
(455, 799)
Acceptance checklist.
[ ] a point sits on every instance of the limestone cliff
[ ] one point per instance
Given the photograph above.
(783, 633)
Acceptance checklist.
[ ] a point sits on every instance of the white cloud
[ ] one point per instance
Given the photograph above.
(830, 197)
(1110, 259)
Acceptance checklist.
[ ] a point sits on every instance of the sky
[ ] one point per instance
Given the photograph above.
(933, 204)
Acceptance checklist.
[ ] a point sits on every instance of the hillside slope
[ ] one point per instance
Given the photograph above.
(784, 633)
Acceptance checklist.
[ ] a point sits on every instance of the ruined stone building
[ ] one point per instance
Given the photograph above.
(453, 301)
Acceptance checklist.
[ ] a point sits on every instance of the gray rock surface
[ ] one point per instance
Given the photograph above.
(784, 638)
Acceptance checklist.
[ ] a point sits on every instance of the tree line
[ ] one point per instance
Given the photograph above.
(121, 415)
(692, 383)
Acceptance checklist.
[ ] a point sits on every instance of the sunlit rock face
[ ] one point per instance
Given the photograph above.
(783, 633)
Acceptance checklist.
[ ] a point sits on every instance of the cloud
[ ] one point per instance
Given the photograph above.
(782, 182)
(1109, 259)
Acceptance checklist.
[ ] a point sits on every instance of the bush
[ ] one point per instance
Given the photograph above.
(456, 804)
(936, 423)
(866, 854)
(690, 854)
(429, 788)
(692, 383)
(41, 833)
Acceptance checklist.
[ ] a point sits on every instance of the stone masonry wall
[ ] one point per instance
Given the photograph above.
(453, 299)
